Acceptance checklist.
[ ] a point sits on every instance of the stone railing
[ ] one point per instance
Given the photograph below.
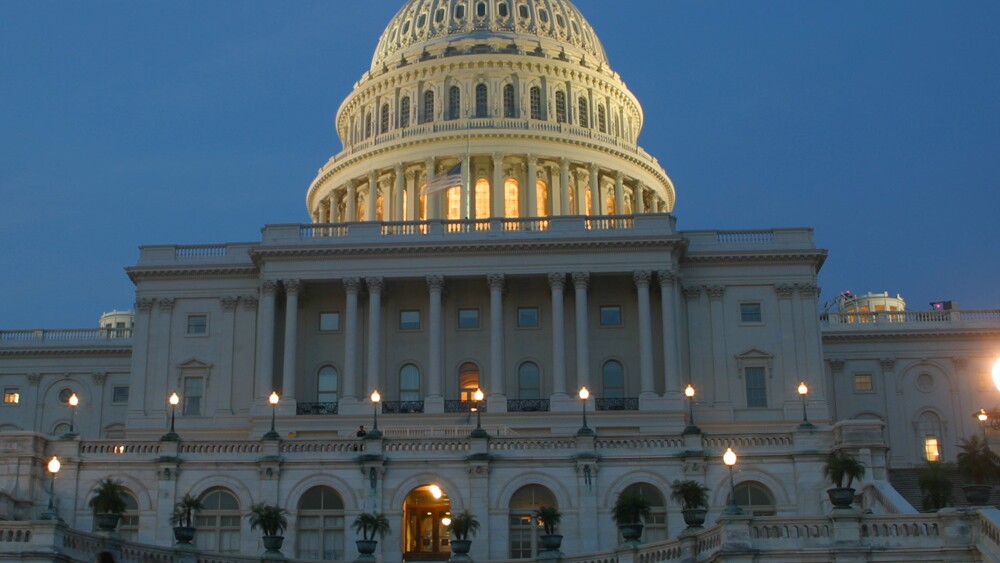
(617, 404)
(884, 319)
(83, 335)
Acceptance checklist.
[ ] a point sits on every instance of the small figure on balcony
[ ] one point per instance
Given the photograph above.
(362, 432)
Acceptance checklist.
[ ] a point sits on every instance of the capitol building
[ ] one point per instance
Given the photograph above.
(492, 309)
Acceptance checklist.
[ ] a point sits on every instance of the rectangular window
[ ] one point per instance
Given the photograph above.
(863, 383)
(611, 315)
(756, 388)
(750, 313)
(409, 320)
(11, 395)
(119, 394)
(527, 317)
(194, 390)
(197, 324)
(329, 321)
(931, 450)
(468, 318)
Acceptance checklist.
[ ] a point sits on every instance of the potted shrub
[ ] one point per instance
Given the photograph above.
(463, 525)
(629, 512)
(183, 518)
(108, 504)
(272, 522)
(935, 485)
(370, 524)
(842, 468)
(693, 498)
(977, 463)
(549, 517)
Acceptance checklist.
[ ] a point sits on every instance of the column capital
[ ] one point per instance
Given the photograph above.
(593, 168)
(99, 377)
(268, 287)
(400, 167)
(249, 302)
(667, 278)
(619, 175)
(692, 292)
(229, 303)
(144, 304)
(352, 285)
(807, 290)
(496, 281)
(564, 163)
(166, 304)
(715, 292)
(836, 365)
(642, 278)
(498, 157)
(372, 176)
(580, 279)
(887, 364)
(292, 286)
(557, 280)
(435, 283)
(784, 290)
(375, 284)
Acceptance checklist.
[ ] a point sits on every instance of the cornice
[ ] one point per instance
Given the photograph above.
(123, 351)
(757, 256)
(138, 273)
(936, 333)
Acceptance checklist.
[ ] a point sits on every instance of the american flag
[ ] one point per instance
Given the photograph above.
(450, 179)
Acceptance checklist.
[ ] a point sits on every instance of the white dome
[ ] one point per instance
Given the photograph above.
(431, 26)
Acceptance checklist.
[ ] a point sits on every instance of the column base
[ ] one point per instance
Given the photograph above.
(433, 404)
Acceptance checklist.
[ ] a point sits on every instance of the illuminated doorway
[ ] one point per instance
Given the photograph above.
(426, 513)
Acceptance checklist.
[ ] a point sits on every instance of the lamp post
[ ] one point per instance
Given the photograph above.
(982, 416)
(273, 434)
(804, 393)
(729, 458)
(73, 401)
(584, 430)
(172, 436)
(479, 432)
(690, 428)
(375, 432)
(50, 513)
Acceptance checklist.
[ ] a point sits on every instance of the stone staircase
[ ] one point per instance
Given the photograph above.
(905, 482)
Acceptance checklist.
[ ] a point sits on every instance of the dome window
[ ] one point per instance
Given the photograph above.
(406, 27)
(560, 21)
(523, 11)
(576, 28)
(602, 120)
(481, 9)
(560, 107)
(584, 114)
(460, 12)
(454, 102)
(421, 20)
(384, 119)
(543, 15)
(404, 112)
(536, 103)
(502, 10)
(508, 101)
(481, 101)
(439, 15)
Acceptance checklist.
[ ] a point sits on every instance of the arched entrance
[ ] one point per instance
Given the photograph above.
(425, 519)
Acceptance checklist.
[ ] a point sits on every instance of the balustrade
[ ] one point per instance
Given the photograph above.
(617, 404)
(527, 405)
(402, 407)
(316, 408)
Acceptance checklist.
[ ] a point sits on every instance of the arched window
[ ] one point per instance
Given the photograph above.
(755, 499)
(511, 199)
(404, 112)
(508, 101)
(384, 119)
(613, 380)
(454, 102)
(542, 198)
(524, 531)
(602, 119)
(422, 204)
(409, 383)
(590, 202)
(368, 125)
(560, 107)
(453, 198)
(468, 381)
(320, 525)
(482, 198)
(928, 429)
(609, 205)
(128, 526)
(656, 524)
(528, 381)
(481, 101)
(326, 384)
(584, 114)
(536, 102)
(60, 429)
(428, 106)
(219, 522)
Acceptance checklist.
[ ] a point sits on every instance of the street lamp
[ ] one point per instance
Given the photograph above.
(273, 434)
(172, 436)
(691, 428)
(50, 513)
(729, 458)
(982, 416)
(804, 392)
(479, 432)
(73, 401)
(375, 432)
(584, 430)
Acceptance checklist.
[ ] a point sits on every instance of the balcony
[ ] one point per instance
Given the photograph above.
(402, 407)
(316, 408)
(527, 405)
(617, 404)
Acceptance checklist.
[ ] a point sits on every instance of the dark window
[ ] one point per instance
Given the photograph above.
(409, 320)
(404, 112)
(428, 106)
(329, 321)
(454, 102)
(194, 391)
(197, 324)
(508, 101)
(409, 383)
(528, 381)
(481, 101)
(756, 387)
(611, 315)
(527, 317)
(459, 11)
(561, 107)
(602, 119)
(119, 394)
(468, 318)
(523, 11)
(584, 114)
(536, 102)
(750, 313)
(481, 9)
(613, 378)
(502, 10)
(326, 385)
(384, 119)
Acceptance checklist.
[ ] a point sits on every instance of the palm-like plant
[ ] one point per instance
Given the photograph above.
(185, 509)
(464, 524)
(630, 508)
(269, 518)
(840, 466)
(370, 524)
(935, 485)
(109, 497)
(690, 494)
(549, 516)
(977, 462)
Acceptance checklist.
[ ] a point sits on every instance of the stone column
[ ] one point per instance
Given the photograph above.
(435, 284)
(227, 370)
(639, 205)
(697, 364)
(717, 345)
(619, 193)
(375, 287)
(564, 188)
(786, 327)
(265, 344)
(412, 197)
(397, 193)
(671, 354)
(350, 390)
(529, 186)
(494, 384)
(557, 284)
(433, 209)
(352, 201)
(647, 387)
(595, 191)
(497, 188)
(372, 196)
(580, 280)
(292, 288)
(137, 401)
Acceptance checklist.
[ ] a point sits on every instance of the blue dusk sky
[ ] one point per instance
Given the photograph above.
(127, 123)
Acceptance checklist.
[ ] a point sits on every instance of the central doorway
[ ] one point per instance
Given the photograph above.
(426, 515)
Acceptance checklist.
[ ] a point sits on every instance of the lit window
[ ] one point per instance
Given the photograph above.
(750, 313)
(527, 317)
(542, 197)
(197, 324)
(931, 450)
(194, 390)
(468, 381)
(453, 197)
(119, 394)
(611, 315)
(756, 388)
(329, 321)
(11, 395)
(863, 383)
(482, 198)
(468, 318)
(409, 320)
(512, 207)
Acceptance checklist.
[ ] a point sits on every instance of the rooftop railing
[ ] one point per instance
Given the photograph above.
(887, 319)
(66, 335)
